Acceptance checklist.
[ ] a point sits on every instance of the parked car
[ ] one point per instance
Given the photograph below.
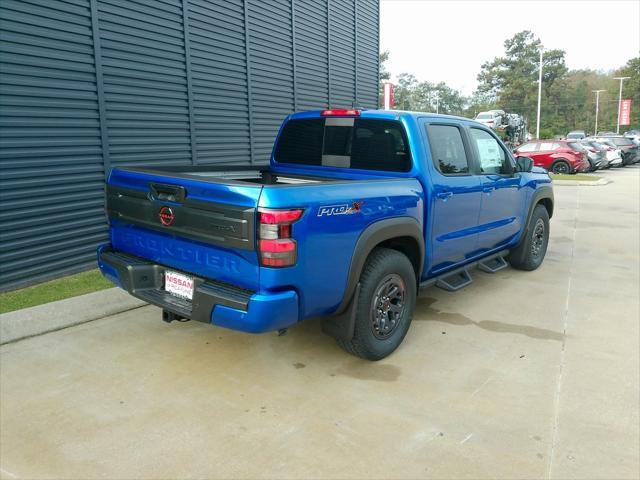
(492, 118)
(356, 212)
(612, 154)
(596, 155)
(634, 135)
(558, 156)
(576, 135)
(628, 148)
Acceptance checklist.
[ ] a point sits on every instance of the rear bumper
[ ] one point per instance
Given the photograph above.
(213, 302)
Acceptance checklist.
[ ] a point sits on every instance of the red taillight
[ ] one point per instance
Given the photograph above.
(340, 112)
(275, 245)
(279, 216)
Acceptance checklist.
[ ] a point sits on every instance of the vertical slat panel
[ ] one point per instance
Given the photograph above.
(219, 76)
(187, 56)
(271, 63)
(342, 68)
(311, 55)
(145, 82)
(367, 47)
(51, 167)
(85, 84)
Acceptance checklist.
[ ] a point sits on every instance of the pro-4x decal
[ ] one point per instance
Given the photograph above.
(342, 209)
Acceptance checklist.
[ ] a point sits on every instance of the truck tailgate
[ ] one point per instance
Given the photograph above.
(196, 226)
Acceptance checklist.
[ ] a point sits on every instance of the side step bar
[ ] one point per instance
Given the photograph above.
(459, 278)
(493, 265)
(455, 282)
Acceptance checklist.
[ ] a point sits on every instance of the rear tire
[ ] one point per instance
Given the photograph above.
(530, 252)
(385, 305)
(561, 166)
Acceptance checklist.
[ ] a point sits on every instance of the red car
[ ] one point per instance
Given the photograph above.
(557, 156)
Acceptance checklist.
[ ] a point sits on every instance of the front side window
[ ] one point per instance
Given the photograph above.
(492, 157)
(447, 149)
(345, 142)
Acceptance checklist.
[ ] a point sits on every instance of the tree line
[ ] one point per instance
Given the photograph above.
(510, 82)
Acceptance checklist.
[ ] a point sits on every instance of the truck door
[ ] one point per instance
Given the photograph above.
(455, 203)
(502, 195)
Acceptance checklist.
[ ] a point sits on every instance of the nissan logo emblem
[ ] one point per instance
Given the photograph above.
(166, 216)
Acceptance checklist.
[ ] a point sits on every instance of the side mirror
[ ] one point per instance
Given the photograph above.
(524, 164)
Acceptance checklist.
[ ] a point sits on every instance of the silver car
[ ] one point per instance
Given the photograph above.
(492, 118)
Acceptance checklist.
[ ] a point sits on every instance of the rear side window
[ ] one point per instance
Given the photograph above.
(301, 142)
(528, 147)
(621, 141)
(345, 142)
(447, 149)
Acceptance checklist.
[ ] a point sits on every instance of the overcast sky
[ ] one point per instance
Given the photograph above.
(448, 40)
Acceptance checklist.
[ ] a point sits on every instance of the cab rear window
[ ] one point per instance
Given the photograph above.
(345, 142)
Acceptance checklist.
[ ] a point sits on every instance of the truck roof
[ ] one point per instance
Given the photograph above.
(382, 114)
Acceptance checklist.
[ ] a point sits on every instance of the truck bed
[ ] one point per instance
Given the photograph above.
(233, 174)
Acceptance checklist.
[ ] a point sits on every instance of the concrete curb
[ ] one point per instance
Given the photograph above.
(53, 316)
(575, 183)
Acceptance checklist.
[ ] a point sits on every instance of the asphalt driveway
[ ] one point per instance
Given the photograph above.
(520, 375)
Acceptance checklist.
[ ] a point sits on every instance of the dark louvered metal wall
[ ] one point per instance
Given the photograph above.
(87, 85)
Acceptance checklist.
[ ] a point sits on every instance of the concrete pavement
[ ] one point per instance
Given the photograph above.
(520, 375)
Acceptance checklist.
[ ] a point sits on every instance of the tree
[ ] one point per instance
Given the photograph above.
(510, 82)
(410, 94)
(384, 73)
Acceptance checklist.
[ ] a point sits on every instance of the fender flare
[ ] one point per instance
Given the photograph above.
(372, 236)
(541, 193)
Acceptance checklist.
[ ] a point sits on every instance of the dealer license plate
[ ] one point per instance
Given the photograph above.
(178, 284)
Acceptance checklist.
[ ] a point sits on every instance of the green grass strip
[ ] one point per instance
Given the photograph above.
(58, 289)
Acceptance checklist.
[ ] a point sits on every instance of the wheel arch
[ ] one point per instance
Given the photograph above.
(543, 195)
(403, 234)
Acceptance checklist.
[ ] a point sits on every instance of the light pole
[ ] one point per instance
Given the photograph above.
(437, 94)
(622, 79)
(597, 92)
(539, 94)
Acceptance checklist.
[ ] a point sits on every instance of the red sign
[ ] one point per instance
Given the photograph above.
(625, 112)
(387, 90)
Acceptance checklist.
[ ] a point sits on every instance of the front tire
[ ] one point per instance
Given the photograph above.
(385, 305)
(530, 252)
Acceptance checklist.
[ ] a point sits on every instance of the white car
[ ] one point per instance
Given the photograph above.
(492, 118)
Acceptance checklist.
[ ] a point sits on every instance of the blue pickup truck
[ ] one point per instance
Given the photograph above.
(356, 213)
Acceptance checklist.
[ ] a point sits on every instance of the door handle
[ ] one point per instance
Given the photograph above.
(488, 189)
(444, 195)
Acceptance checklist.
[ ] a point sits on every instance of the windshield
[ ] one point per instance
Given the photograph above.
(484, 116)
(345, 142)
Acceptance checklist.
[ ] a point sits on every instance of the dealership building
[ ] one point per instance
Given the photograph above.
(89, 85)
